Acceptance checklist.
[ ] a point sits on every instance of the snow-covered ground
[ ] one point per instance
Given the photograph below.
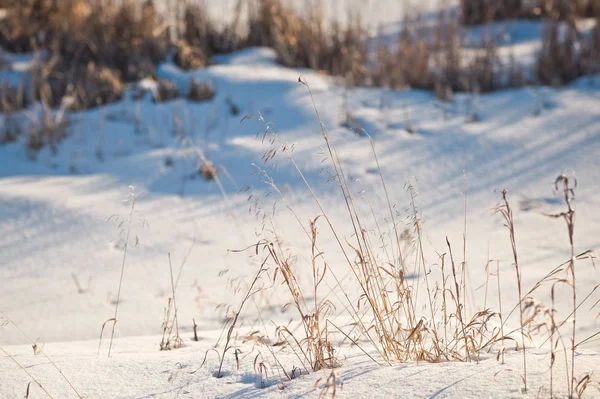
(61, 251)
(136, 371)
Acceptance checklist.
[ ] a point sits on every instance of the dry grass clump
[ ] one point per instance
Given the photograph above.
(479, 11)
(165, 91)
(187, 57)
(11, 128)
(566, 54)
(199, 92)
(30, 24)
(107, 42)
(77, 87)
(48, 128)
(557, 61)
(305, 40)
(475, 12)
(386, 313)
(482, 71)
(208, 171)
(313, 348)
(98, 86)
(128, 36)
(199, 37)
(170, 326)
(408, 66)
(439, 64)
(12, 99)
(381, 300)
(300, 40)
(203, 34)
(93, 47)
(590, 51)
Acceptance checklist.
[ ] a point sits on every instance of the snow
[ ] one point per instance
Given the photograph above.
(139, 372)
(60, 255)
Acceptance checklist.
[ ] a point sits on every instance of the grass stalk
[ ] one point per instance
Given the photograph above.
(11, 357)
(505, 210)
(132, 199)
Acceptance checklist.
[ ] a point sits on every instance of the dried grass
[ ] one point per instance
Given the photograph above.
(439, 64)
(77, 88)
(11, 128)
(304, 40)
(124, 227)
(170, 326)
(46, 128)
(475, 12)
(382, 301)
(96, 46)
(12, 99)
(208, 171)
(187, 57)
(165, 91)
(505, 210)
(202, 33)
(385, 315)
(567, 54)
(199, 92)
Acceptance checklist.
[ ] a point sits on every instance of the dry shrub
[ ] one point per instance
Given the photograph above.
(165, 91)
(49, 81)
(201, 32)
(407, 67)
(96, 45)
(590, 51)
(304, 40)
(91, 31)
(558, 61)
(30, 23)
(447, 53)
(49, 129)
(128, 38)
(454, 71)
(12, 99)
(97, 86)
(11, 128)
(347, 54)
(76, 87)
(187, 57)
(199, 91)
(437, 64)
(121, 41)
(476, 12)
(170, 326)
(481, 72)
(479, 11)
